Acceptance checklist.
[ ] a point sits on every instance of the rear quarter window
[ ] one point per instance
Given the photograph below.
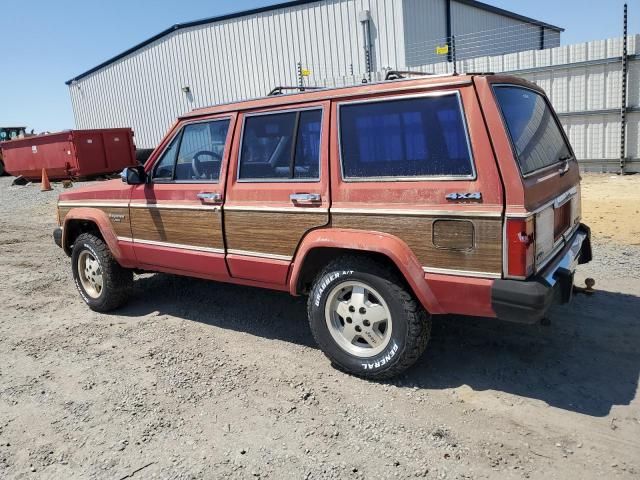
(405, 138)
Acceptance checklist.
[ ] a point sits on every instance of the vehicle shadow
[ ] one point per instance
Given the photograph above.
(586, 361)
(264, 313)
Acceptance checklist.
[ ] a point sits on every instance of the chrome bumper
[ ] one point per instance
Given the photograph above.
(528, 301)
(566, 263)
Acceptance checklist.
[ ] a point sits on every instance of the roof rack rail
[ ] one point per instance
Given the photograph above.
(398, 74)
(279, 90)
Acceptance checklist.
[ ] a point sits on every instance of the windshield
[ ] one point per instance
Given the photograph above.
(535, 134)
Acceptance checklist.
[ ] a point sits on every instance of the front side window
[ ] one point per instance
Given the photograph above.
(536, 136)
(195, 154)
(416, 137)
(164, 167)
(281, 146)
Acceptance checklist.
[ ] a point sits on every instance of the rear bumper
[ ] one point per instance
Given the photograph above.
(57, 236)
(528, 301)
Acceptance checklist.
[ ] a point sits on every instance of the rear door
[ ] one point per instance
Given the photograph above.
(176, 218)
(419, 166)
(278, 189)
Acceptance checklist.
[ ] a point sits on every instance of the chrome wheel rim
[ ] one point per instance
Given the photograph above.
(90, 273)
(358, 319)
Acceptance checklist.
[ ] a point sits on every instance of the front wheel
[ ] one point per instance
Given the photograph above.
(103, 284)
(365, 319)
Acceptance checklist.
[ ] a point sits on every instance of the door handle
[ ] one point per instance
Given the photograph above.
(209, 197)
(305, 197)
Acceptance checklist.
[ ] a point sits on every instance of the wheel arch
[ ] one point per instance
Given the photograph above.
(82, 220)
(320, 246)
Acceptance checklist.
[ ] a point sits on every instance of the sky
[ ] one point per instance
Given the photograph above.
(46, 42)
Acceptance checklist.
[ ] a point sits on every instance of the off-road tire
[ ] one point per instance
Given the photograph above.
(411, 323)
(2, 172)
(117, 281)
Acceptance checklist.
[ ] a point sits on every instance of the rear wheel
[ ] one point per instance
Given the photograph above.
(365, 319)
(103, 284)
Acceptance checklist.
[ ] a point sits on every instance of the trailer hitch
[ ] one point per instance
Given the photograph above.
(587, 289)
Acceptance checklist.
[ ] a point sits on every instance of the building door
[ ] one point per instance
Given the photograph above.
(278, 189)
(176, 218)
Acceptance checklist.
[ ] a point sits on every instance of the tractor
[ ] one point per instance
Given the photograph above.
(11, 133)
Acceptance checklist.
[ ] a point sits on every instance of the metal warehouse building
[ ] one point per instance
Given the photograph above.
(318, 42)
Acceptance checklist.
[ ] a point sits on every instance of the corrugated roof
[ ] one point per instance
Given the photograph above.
(295, 3)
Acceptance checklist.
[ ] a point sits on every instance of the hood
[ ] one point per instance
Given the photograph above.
(98, 190)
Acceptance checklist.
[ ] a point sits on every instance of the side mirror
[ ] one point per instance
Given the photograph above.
(134, 175)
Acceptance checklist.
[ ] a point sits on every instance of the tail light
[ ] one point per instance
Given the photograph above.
(520, 246)
(531, 241)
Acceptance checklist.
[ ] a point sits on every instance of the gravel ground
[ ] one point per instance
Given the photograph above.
(195, 379)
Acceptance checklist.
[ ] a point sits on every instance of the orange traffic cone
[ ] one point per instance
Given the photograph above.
(46, 185)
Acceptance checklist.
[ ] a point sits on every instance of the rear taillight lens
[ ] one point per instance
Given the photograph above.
(520, 246)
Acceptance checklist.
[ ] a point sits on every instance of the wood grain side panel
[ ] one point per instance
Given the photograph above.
(199, 228)
(417, 233)
(119, 222)
(277, 233)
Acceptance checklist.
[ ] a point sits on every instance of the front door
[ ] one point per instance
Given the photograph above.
(278, 189)
(176, 218)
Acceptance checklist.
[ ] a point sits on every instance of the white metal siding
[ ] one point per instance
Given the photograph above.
(468, 19)
(425, 25)
(480, 32)
(551, 38)
(235, 59)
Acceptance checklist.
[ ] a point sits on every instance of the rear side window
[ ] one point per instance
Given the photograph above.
(282, 146)
(416, 137)
(536, 136)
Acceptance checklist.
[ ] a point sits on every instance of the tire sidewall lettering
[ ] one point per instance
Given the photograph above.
(381, 361)
(387, 356)
(326, 281)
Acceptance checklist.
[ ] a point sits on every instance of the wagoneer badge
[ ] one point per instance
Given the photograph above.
(116, 217)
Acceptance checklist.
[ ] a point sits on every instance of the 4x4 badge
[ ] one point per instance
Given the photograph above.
(464, 196)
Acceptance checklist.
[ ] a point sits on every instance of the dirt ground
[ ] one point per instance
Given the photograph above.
(611, 206)
(195, 379)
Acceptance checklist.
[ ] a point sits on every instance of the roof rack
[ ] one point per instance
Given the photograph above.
(398, 74)
(279, 90)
